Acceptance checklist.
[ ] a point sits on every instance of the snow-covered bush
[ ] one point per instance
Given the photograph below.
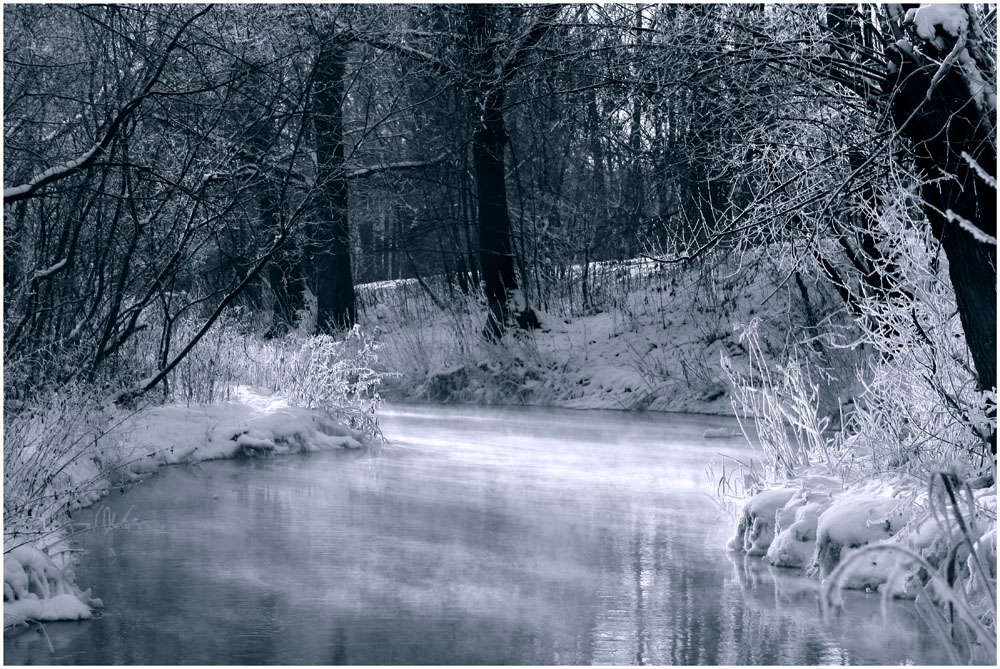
(338, 376)
(947, 561)
(333, 373)
(52, 462)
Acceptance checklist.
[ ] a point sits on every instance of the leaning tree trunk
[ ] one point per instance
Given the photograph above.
(952, 131)
(329, 256)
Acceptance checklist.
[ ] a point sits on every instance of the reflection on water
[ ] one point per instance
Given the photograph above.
(477, 536)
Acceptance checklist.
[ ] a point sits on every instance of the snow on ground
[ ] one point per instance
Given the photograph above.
(38, 587)
(254, 422)
(644, 343)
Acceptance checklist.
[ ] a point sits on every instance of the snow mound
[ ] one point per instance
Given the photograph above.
(756, 527)
(256, 422)
(857, 521)
(951, 18)
(795, 542)
(293, 430)
(36, 589)
(59, 608)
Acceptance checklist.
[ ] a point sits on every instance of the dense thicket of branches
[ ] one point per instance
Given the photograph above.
(165, 162)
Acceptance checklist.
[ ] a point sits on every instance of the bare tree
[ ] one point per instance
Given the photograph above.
(481, 59)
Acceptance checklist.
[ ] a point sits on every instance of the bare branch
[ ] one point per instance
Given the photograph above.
(85, 160)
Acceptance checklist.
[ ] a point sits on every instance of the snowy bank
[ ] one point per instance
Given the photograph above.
(816, 523)
(647, 340)
(40, 588)
(255, 422)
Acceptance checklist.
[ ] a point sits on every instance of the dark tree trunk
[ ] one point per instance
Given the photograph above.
(496, 259)
(943, 121)
(328, 250)
(489, 139)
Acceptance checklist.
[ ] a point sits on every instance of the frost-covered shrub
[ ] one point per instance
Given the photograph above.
(783, 405)
(333, 373)
(914, 405)
(338, 375)
(53, 462)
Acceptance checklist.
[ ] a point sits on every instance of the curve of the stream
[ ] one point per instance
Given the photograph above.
(474, 536)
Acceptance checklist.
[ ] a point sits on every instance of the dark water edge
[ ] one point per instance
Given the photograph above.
(477, 536)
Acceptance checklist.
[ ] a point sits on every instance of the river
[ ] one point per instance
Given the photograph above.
(474, 536)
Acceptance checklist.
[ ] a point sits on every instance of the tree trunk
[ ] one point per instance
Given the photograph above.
(944, 121)
(329, 256)
(496, 259)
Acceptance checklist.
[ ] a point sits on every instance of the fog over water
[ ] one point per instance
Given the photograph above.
(476, 535)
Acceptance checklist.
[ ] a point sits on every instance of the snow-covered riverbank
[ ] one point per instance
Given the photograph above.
(902, 538)
(39, 583)
(648, 340)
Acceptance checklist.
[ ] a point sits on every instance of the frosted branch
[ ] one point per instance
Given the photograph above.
(970, 227)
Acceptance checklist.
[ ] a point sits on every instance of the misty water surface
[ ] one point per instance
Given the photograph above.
(476, 535)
